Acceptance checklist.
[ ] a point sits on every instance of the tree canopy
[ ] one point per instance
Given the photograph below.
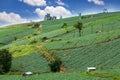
(5, 61)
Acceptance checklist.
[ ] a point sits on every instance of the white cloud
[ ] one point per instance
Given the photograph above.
(34, 2)
(59, 2)
(40, 13)
(54, 11)
(97, 2)
(6, 18)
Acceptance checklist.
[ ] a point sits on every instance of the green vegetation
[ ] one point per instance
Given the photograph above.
(79, 26)
(45, 47)
(55, 65)
(5, 61)
(18, 51)
(84, 41)
(36, 25)
(8, 35)
(65, 27)
(104, 56)
(55, 76)
(33, 62)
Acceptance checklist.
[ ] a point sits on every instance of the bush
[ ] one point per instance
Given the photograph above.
(55, 65)
(36, 25)
(15, 38)
(5, 61)
(32, 40)
(44, 38)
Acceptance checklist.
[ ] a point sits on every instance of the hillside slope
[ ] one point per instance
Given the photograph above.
(76, 52)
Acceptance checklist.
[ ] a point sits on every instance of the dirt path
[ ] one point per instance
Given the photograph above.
(47, 55)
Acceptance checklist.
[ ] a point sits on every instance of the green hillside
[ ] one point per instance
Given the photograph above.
(33, 48)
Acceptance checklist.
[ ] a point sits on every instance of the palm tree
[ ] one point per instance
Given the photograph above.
(79, 26)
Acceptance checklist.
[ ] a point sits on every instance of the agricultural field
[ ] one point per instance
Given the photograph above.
(55, 76)
(99, 55)
(34, 48)
(8, 35)
(83, 41)
(33, 62)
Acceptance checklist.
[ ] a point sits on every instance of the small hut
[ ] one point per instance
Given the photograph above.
(89, 69)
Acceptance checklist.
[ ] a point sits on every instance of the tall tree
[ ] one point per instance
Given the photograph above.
(5, 61)
(79, 26)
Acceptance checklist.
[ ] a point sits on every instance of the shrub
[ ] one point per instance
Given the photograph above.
(15, 38)
(55, 65)
(32, 40)
(36, 25)
(44, 38)
(5, 61)
(65, 25)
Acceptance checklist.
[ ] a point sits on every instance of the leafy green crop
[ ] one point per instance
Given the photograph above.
(32, 62)
(103, 56)
(56, 76)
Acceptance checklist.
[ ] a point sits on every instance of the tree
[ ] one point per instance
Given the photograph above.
(60, 17)
(49, 17)
(5, 61)
(36, 25)
(105, 11)
(15, 38)
(80, 15)
(79, 26)
(54, 18)
(65, 27)
(55, 65)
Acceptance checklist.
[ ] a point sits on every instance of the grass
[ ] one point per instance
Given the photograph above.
(56, 76)
(113, 73)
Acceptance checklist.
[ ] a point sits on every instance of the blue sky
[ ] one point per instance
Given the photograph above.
(15, 11)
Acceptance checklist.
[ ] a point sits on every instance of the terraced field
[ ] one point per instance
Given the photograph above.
(7, 35)
(103, 56)
(91, 25)
(76, 53)
(33, 62)
(83, 41)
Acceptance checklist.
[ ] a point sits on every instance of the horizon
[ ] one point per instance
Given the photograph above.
(7, 25)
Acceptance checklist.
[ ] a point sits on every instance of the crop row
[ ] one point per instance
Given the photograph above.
(83, 41)
(103, 56)
(32, 62)
(56, 76)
